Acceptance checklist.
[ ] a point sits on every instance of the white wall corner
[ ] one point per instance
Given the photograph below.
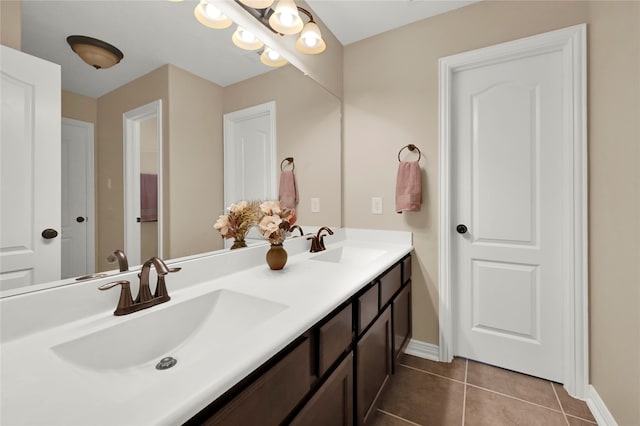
(598, 408)
(423, 350)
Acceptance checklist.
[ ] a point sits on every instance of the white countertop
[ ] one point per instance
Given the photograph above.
(40, 387)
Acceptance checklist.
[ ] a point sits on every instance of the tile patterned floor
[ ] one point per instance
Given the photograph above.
(468, 393)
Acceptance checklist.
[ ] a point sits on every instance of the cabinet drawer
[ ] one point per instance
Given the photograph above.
(367, 307)
(334, 338)
(406, 269)
(390, 283)
(269, 399)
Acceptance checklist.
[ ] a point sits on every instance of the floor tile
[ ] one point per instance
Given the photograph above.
(485, 408)
(572, 406)
(382, 419)
(514, 384)
(454, 370)
(574, 421)
(424, 398)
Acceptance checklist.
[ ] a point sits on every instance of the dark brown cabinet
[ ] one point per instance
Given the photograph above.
(332, 404)
(373, 366)
(335, 373)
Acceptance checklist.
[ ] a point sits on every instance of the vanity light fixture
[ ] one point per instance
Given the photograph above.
(97, 53)
(210, 16)
(286, 19)
(272, 58)
(246, 40)
(310, 40)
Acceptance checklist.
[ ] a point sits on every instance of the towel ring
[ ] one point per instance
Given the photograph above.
(411, 147)
(289, 160)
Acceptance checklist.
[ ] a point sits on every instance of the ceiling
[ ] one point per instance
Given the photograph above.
(153, 33)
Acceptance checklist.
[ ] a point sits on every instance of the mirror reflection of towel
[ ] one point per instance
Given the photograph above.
(408, 187)
(148, 197)
(288, 190)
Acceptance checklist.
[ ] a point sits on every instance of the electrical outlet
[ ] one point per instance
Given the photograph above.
(376, 205)
(315, 205)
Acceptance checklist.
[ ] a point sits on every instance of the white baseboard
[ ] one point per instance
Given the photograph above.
(423, 350)
(598, 408)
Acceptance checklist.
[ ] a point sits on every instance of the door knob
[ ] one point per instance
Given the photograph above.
(462, 229)
(49, 233)
(79, 219)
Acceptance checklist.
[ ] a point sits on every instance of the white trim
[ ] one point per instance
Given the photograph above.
(598, 408)
(90, 191)
(571, 42)
(131, 149)
(422, 350)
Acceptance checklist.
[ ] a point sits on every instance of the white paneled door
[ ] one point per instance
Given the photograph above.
(30, 170)
(507, 131)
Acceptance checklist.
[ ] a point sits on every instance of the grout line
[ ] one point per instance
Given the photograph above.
(559, 403)
(580, 418)
(429, 372)
(514, 397)
(464, 395)
(398, 417)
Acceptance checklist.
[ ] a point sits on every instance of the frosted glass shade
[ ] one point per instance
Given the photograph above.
(310, 40)
(257, 4)
(286, 19)
(210, 16)
(246, 40)
(272, 58)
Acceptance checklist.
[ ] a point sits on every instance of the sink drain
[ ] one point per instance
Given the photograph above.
(166, 362)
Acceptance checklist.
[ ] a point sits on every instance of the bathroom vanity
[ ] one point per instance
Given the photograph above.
(311, 344)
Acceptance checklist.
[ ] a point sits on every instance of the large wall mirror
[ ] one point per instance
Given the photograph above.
(197, 75)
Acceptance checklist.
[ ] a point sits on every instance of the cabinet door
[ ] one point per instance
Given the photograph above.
(401, 320)
(373, 364)
(269, 399)
(332, 405)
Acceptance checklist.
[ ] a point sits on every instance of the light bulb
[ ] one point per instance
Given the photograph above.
(286, 18)
(310, 41)
(212, 12)
(247, 37)
(273, 55)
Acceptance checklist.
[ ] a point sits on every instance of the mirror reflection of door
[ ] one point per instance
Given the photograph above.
(143, 182)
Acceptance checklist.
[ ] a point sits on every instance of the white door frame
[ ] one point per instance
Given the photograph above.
(90, 190)
(131, 138)
(571, 43)
(230, 120)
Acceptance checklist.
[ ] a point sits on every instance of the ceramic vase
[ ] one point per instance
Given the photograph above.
(238, 244)
(276, 256)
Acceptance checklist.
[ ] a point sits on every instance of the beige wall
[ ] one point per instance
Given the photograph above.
(109, 175)
(392, 102)
(195, 162)
(11, 23)
(308, 129)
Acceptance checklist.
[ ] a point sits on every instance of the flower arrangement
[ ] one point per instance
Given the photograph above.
(274, 221)
(241, 217)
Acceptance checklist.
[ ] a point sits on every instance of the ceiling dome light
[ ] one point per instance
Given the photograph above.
(272, 58)
(310, 40)
(246, 40)
(257, 4)
(97, 53)
(286, 19)
(210, 16)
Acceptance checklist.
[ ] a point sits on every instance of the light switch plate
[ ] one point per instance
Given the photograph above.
(315, 205)
(376, 205)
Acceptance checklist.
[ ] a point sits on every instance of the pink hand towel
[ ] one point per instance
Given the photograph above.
(288, 190)
(148, 197)
(408, 187)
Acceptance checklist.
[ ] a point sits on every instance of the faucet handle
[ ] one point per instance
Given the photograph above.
(126, 300)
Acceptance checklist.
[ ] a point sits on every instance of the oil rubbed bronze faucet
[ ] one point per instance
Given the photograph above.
(317, 241)
(144, 300)
(299, 228)
(119, 255)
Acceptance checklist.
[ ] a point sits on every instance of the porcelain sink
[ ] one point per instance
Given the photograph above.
(174, 329)
(349, 255)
